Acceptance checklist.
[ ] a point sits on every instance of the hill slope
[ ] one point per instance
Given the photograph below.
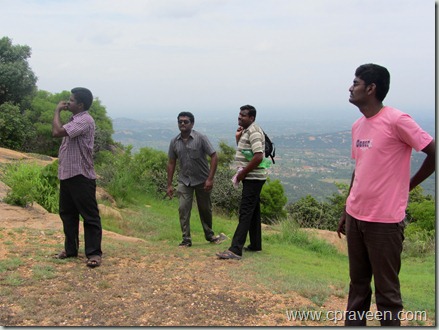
(140, 283)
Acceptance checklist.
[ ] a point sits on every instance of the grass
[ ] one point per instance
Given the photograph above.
(291, 261)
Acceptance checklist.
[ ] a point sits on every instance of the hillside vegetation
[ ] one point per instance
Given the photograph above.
(147, 280)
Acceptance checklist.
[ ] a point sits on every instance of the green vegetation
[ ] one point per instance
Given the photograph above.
(32, 183)
(292, 260)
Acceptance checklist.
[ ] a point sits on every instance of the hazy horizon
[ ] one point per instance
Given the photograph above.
(155, 58)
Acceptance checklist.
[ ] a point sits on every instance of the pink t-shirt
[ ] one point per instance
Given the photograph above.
(382, 147)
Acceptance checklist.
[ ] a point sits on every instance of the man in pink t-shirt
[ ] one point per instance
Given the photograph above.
(382, 143)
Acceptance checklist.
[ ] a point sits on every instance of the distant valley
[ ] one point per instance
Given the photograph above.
(306, 163)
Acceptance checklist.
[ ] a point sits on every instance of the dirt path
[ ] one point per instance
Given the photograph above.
(159, 289)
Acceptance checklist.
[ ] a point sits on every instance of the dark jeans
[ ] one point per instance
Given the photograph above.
(78, 197)
(249, 218)
(186, 197)
(374, 249)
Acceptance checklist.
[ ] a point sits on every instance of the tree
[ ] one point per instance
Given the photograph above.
(17, 80)
(13, 127)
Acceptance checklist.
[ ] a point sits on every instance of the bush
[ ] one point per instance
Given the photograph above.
(310, 213)
(418, 243)
(225, 197)
(273, 201)
(31, 183)
(125, 175)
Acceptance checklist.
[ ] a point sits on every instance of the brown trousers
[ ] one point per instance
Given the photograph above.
(374, 249)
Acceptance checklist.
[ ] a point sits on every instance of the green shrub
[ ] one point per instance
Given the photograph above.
(31, 183)
(225, 197)
(125, 175)
(421, 230)
(418, 243)
(273, 201)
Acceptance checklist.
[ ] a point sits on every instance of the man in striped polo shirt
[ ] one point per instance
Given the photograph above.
(251, 140)
(195, 176)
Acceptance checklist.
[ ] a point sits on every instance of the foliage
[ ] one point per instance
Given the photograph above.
(308, 212)
(31, 183)
(273, 201)
(124, 174)
(226, 154)
(225, 197)
(150, 168)
(17, 80)
(421, 227)
(13, 127)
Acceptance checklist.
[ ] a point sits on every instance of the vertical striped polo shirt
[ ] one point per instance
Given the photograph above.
(76, 151)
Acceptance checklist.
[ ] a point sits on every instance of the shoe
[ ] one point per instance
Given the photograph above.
(228, 255)
(249, 249)
(185, 244)
(218, 239)
(64, 255)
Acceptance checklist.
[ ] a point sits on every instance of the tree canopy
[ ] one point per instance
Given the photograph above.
(17, 80)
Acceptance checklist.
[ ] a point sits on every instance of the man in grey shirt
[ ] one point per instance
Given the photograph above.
(195, 175)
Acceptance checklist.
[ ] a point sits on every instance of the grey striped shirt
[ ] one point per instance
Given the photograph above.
(252, 139)
(194, 168)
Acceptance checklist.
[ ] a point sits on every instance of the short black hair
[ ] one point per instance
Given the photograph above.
(251, 110)
(375, 74)
(83, 95)
(187, 114)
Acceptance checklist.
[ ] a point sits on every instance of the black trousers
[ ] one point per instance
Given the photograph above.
(78, 197)
(374, 249)
(249, 218)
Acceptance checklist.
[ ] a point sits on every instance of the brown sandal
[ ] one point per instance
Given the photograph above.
(94, 261)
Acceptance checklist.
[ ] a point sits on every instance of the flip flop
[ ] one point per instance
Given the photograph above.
(94, 261)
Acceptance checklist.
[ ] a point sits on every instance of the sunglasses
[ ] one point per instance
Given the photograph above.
(184, 122)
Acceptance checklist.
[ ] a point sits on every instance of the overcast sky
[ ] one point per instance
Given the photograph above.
(150, 58)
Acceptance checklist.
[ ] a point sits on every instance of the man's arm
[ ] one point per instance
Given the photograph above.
(57, 128)
(428, 166)
(342, 222)
(170, 170)
(208, 185)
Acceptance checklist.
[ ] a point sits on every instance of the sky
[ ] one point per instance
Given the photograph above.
(147, 59)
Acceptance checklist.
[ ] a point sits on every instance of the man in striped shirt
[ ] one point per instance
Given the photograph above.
(191, 148)
(251, 140)
(77, 177)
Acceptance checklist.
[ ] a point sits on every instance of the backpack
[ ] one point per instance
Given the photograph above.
(270, 150)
